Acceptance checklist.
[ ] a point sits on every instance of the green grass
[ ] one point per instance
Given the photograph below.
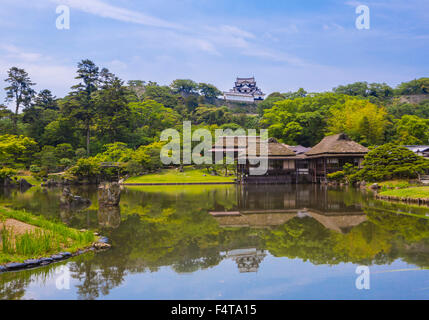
(392, 184)
(52, 237)
(175, 189)
(30, 179)
(189, 175)
(412, 192)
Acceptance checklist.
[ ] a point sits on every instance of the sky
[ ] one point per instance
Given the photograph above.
(285, 44)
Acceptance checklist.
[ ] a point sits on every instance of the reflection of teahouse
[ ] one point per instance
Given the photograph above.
(245, 90)
(247, 260)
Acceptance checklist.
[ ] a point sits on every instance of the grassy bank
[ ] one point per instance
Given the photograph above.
(189, 175)
(29, 179)
(26, 236)
(411, 192)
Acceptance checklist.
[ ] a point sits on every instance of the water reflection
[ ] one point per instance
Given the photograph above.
(172, 227)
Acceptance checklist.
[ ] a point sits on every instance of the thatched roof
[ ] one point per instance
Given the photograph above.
(235, 141)
(337, 144)
(275, 149)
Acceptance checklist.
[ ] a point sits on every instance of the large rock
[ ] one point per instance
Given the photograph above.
(375, 186)
(24, 184)
(69, 200)
(109, 194)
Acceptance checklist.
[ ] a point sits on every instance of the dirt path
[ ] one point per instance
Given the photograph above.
(18, 227)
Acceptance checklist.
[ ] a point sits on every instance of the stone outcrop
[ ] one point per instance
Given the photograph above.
(109, 194)
(24, 184)
(69, 200)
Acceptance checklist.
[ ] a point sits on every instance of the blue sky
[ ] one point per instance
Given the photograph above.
(284, 44)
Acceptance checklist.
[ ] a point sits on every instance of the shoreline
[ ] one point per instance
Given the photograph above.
(100, 245)
(70, 241)
(173, 183)
(418, 201)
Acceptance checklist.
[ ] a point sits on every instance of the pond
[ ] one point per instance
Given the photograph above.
(262, 242)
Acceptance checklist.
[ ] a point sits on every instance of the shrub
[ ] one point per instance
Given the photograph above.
(336, 176)
(6, 173)
(86, 168)
(65, 162)
(35, 169)
(134, 168)
(80, 153)
(390, 161)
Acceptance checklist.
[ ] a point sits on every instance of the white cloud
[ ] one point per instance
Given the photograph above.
(12, 51)
(43, 70)
(105, 10)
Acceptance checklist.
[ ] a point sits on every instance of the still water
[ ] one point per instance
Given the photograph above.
(282, 242)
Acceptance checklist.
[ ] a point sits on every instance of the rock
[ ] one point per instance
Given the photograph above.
(3, 269)
(32, 262)
(57, 257)
(66, 254)
(375, 186)
(69, 200)
(101, 245)
(45, 261)
(15, 266)
(109, 194)
(24, 184)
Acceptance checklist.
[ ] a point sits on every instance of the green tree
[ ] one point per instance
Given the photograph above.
(412, 130)
(416, 86)
(363, 121)
(46, 100)
(391, 161)
(184, 86)
(310, 112)
(161, 94)
(16, 150)
(113, 116)
(209, 91)
(19, 90)
(84, 109)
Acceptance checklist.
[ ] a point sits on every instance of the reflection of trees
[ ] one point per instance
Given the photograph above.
(14, 284)
(95, 278)
(174, 229)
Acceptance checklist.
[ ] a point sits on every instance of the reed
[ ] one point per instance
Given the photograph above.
(50, 237)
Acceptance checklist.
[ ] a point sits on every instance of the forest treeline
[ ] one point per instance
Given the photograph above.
(104, 119)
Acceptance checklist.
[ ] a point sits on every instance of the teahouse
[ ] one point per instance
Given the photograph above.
(332, 153)
(291, 164)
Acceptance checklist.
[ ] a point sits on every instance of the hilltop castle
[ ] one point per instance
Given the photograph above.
(245, 90)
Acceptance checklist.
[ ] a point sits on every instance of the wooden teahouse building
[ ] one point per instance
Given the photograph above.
(332, 153)
(291, 164)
